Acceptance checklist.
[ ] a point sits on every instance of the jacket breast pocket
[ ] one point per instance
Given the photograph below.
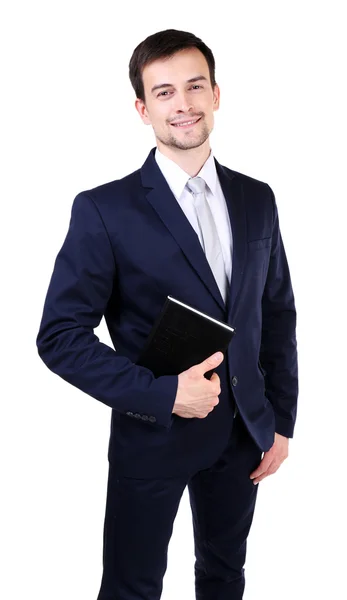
(258, 256)
(259, 244)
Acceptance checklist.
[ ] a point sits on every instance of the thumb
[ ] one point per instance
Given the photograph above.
(210, 363)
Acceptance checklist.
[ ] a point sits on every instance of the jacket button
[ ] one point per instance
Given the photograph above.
(152, 419)
(137, 416)
(130, 414)
(234, 380)
(144, 417)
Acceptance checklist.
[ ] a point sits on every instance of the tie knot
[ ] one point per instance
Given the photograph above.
(196, 185)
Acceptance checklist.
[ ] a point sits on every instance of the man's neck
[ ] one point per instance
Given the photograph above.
(191, 161)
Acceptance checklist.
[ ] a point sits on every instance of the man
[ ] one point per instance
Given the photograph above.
(186, 226)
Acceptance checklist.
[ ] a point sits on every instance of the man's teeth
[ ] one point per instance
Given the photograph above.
(186, 123)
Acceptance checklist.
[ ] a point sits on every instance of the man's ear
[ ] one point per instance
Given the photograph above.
(216, 97)
(142, 110)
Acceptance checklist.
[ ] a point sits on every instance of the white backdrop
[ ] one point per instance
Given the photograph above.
(69, 124)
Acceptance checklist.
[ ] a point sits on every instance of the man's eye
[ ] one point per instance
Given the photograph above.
(166, 92)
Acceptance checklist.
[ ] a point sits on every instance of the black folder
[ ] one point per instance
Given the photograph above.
(183, 336)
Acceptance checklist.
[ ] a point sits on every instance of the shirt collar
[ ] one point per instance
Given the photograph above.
(177, 178)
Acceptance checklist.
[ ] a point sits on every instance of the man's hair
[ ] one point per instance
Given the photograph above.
(165, 44)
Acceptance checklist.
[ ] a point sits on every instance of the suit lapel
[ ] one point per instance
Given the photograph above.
(233, 192)
(164, 203)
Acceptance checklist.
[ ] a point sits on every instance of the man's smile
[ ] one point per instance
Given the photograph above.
(186, 123)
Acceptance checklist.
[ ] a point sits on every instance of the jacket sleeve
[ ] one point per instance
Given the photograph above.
(80, 287)
(278, 351)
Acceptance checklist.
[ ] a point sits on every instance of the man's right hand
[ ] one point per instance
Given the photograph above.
(197, 396)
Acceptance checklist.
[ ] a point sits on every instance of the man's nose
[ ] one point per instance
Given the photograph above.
(182, 102)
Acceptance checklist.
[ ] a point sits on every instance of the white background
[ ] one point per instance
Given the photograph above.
(68, 124)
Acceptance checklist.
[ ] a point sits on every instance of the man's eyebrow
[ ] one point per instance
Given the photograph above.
(192, 80)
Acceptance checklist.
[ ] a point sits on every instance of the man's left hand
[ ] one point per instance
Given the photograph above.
(272, 459)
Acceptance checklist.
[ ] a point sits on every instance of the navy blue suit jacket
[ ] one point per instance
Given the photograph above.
(128, 246)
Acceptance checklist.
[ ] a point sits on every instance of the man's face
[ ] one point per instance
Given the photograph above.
(171, 98)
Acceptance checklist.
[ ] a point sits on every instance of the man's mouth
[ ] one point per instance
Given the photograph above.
(185, 124)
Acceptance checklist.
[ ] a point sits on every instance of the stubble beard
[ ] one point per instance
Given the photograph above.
(186, 144)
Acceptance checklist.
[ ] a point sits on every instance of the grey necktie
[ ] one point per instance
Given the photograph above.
(211, 242)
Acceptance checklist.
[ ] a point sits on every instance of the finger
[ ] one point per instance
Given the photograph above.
(270, 471)
(259, 479)
(263, 466)
(215, 377)
(210, 363)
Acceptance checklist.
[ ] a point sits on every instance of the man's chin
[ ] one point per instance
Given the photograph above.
(179, 144)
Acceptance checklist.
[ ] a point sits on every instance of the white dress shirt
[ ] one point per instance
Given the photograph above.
(177, 179)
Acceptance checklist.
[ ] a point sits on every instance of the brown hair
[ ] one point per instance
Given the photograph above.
(164, 44)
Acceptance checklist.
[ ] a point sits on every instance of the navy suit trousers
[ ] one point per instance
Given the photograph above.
(139, 520)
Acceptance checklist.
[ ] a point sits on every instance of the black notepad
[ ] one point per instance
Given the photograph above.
(181, 337)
